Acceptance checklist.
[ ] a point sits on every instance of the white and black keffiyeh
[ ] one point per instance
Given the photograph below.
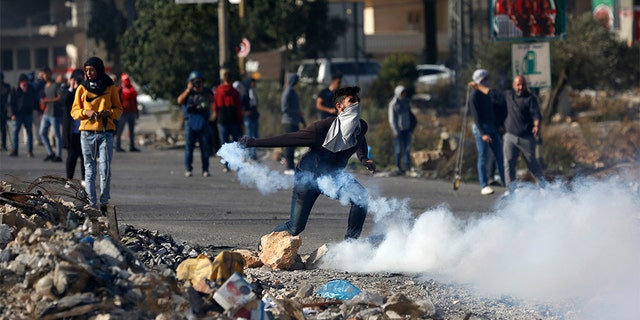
(343, 132)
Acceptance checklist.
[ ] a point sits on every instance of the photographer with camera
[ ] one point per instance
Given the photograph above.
(196, 102)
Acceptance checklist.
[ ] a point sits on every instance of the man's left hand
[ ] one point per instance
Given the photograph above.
(370, 164)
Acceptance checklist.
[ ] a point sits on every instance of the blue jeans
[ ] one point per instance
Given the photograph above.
(97, 152)
(305, 193)
(191, 137)
(25, 120)
(483, 153)
(46, 122)
(290, 152)
(127, 118)
(229, 132)
(251, 127)
(402, 145)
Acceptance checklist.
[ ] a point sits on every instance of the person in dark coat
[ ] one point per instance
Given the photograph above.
(71, 127)
(24, 101)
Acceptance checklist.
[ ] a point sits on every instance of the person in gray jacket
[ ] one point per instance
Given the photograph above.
(522, 126)
(291, 117)
(399, 119)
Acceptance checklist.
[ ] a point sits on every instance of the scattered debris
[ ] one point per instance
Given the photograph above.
(59, 259)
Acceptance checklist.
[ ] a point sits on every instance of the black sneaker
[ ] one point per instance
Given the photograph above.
(119, 150)
(49, 157)
(56, 159)
(134, 150)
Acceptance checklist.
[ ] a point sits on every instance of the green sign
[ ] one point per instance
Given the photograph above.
(533, 61)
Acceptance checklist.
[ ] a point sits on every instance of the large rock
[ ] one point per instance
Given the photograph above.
(279, 249)
(251, 259)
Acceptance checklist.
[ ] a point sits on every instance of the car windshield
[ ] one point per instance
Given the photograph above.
(309, 70)
(364, 68)
(428, 72)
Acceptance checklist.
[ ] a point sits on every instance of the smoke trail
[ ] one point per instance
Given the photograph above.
(250, 173)
(582, 243)
(340, 187)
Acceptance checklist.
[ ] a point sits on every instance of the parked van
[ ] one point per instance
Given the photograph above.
(319, 71)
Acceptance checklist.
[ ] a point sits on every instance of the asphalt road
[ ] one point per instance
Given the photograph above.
(150, 191)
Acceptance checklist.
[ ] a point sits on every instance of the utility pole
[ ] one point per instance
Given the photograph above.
(223, 37)
(241, 15)
(460, 42)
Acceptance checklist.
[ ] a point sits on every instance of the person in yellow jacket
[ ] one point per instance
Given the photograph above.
(97, 105)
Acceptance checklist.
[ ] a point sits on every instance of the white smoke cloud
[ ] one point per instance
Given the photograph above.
(580, 242)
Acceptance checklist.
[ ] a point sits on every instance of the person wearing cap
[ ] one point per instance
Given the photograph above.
(324, 102)
(129, 100)
(486, 130)
(24, 101)
(197, 103)
(522, 127)
(97, 106)
(400, 122)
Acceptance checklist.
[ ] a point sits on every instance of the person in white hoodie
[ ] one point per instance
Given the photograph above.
(400, 121)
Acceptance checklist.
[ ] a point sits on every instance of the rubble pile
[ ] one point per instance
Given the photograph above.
(60, 259)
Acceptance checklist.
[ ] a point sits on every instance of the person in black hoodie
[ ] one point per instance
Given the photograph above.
(71, 128)
(24, 101)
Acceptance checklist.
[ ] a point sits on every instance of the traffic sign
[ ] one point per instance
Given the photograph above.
(533, 61)
(245, 48)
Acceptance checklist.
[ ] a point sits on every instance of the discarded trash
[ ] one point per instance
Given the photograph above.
(339, 290)
(234, 293)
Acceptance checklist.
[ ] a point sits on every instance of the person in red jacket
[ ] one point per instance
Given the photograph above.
(129, 100)
(228, 110)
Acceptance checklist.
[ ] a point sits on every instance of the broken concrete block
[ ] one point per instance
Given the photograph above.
(251, 259)
(314, 260)
(279, 249)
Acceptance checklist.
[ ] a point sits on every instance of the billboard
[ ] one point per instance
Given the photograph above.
(528, 19)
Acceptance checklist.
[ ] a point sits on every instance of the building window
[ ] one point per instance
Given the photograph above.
(24, 59)
(413, 20)
(42, 58)
(7, 60)
(60, 58)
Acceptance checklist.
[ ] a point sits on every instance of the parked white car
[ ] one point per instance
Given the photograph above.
(319, 71)
(432, 74)
(146, 104)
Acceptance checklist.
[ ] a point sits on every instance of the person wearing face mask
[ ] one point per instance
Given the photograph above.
(97, 106)
(24, 101)
(197, 103)
(522, 128)
(331, 142)
(486, 130)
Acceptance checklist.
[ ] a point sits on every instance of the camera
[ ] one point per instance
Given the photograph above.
(197, 83)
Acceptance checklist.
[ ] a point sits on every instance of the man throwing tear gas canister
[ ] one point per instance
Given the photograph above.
(331, 142)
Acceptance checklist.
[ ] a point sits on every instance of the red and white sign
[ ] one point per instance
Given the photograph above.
(245, 48)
